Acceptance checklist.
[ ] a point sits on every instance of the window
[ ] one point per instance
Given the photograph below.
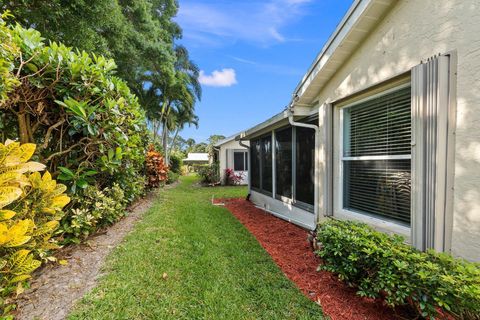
(305, 165)
(255, 153)
(240, 161)
(283, 162)
(376, 157)
(267, 163)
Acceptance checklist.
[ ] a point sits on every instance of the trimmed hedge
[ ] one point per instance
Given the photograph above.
(383, 266)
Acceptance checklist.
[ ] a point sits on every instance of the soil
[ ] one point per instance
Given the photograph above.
(289, 248)
(55, 288)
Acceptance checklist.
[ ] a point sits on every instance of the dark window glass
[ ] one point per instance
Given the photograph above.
(246, 161)
(255, 149)
(239, 161)
(379, 187)
(305, 171)
(267, 163)
(283, 160)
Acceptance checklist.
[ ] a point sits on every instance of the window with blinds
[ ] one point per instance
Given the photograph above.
(377, 156)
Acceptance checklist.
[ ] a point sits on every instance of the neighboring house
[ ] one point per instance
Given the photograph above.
(230, 154)
(194, 159)
(384, 128)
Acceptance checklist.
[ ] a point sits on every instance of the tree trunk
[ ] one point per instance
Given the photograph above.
(22, 125)
(165, 142)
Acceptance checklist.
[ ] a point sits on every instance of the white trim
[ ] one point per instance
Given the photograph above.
(386, 157)
(383, 224)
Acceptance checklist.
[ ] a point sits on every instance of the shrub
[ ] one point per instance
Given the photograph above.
(71, 104)
(380, 265)
(156, 168)
(30, 207)
(95, 209)
(172, 177)
(209, 174)
(231, 178)
(175, 164)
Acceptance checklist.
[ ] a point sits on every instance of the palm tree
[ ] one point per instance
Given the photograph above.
(170, 101)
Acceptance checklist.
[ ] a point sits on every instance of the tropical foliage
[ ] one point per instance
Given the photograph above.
(84, 119)
(380, 265)
(156, 168)
(30, 209)
(95, 209)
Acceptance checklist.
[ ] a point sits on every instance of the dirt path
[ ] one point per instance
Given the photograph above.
(56, 288)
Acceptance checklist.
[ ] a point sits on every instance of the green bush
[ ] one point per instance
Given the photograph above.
(95, 209)
(81, 116)
(175, 163)
(209, 174)
(380, 265)
(172, 177)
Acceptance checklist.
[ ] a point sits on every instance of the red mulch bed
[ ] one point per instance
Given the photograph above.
(289, 248)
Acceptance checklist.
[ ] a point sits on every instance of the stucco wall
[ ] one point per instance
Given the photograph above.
(413, 31)
(223, 156)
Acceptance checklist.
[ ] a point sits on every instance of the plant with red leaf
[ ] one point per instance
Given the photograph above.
(157, 170)
(232, 178)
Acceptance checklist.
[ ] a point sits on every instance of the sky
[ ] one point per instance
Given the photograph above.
(252, 54)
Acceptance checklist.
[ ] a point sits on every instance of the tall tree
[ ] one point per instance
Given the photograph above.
(138, 34)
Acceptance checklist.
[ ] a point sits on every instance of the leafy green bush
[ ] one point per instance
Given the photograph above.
(380, 265)
(175, 163)
(94, 209)
(209, 174)
(82, 117)
(172, 177)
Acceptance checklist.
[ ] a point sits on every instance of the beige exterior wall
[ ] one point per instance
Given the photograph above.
(412, 31)
(228, 163)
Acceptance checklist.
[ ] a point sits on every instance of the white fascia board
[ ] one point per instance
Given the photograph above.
(262, 126)
(223, 141)
(335, 53)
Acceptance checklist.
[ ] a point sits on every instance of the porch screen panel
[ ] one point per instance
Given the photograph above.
(266, 143)
(255, 152)
(283, 159)
(377, 156)
(305, 169)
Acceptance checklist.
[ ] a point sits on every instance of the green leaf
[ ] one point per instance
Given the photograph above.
(67, 171)
(82, 183)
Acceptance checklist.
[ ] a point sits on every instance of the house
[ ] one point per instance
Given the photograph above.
(384, 128)
(232, 154)
(194, 160)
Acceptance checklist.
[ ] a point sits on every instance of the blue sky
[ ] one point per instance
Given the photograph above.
(252, 55)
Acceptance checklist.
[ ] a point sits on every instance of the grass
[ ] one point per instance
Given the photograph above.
(215, 269)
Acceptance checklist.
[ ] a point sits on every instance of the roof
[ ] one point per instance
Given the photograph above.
(362, 17)
(196, 157)
(223, 141)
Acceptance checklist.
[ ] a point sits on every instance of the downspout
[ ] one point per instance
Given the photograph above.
(240, 142)
(316, 170)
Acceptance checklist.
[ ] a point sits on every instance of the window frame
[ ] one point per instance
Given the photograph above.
(382, 223)
(244, 157)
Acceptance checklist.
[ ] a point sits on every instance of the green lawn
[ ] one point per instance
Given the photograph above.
(215, 268)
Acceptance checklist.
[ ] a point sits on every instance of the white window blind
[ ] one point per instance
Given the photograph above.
(377, 156)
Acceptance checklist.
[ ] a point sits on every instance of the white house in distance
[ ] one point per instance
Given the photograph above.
(384, 128)
(196, 159)
(232, 155)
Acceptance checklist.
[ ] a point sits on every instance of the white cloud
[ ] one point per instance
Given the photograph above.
(223, 78)
(258, 21)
